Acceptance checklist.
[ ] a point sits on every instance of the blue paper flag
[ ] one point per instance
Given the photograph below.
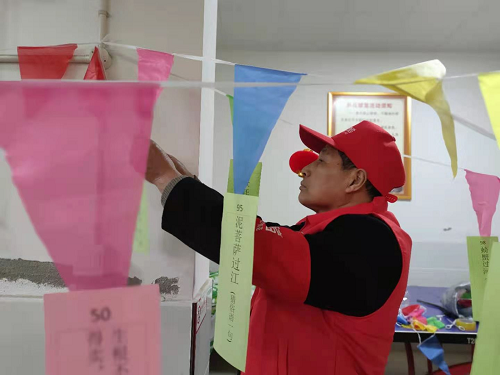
(256, 111)
(433, 350)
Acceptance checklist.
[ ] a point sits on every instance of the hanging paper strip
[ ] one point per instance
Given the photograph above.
(152, 66)
(95, 70)
(484, 191)
(486, 355)
(256, 110)
(45, 62)
(235, 272)
(479, 254)
(423, 83)
(78, 156)
(103, 332)
(490, 88)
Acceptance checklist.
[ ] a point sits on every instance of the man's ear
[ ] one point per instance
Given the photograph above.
(358, 180)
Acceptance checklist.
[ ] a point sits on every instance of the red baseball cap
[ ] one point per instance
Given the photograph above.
(370, 148)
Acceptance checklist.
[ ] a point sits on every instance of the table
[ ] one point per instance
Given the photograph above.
(451, 336)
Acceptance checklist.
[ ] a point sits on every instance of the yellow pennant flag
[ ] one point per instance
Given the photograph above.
(490, 87)
(422, 82)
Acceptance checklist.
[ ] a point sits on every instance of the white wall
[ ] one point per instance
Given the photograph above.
(160, 25)
(439, 257)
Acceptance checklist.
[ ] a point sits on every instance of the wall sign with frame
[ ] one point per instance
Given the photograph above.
(390, 111)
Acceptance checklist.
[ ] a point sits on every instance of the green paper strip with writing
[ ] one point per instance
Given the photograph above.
(479, 252)
(235, 278)
(487, 352)
(141, 235)
(253, 187)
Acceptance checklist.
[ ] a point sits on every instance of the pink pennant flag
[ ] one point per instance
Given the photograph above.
(95, 70)
(48, 62)
(484, 191)
(154, 65)
(78, 155)
(103, 332)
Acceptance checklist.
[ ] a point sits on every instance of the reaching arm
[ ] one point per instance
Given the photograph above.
(351, 267)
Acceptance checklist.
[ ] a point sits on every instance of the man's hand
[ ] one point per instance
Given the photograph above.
(161, 168)
(180, 167)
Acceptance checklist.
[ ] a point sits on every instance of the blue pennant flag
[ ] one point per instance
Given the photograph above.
(256, 111)
(433, 350)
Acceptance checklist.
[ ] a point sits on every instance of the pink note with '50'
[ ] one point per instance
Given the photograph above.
(106, 332)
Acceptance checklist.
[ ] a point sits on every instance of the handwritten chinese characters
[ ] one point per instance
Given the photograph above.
(479, 254)
(103, 332)
(235, 278)
(485, 256)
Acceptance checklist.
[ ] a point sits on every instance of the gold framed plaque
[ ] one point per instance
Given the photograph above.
(391, 111)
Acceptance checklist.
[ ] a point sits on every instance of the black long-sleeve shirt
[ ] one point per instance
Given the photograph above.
(355, 262)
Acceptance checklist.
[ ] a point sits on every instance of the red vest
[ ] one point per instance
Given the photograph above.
(296, 339)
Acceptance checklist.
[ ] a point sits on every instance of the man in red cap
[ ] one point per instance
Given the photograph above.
(329, 287)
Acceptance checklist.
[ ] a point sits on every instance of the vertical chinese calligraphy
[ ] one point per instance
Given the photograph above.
(479, 255)
(235, 277)
(95, 347)
(120, 357)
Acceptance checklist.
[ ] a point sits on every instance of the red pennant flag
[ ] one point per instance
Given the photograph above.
(95, 71)
(45, 62)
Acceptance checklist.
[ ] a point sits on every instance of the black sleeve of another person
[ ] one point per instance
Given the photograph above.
(356, 263)
(193, 214)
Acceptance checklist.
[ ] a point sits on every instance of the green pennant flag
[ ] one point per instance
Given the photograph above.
(231, 106)
(253, 187)
(141, 235)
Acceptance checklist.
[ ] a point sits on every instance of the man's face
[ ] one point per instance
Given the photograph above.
(324, 184)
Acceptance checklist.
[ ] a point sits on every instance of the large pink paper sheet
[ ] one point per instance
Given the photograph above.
(78, 155)
(484, 191)
(106, 332)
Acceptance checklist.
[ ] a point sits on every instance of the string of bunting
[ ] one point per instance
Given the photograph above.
(100, 259)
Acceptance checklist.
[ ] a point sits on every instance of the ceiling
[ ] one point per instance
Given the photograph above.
(359, 25)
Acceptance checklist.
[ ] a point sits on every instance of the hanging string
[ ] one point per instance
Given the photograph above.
(219, 61)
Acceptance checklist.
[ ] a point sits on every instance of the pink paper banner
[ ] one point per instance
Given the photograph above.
(484, 191)
(78, 155)
(105, 332)
(153, 65)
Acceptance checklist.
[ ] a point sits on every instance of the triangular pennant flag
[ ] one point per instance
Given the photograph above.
(48, 62)
(231, 106)
(256, 110)
(433, 350)
(484, 191)
(153, 65)
(95, 70)
(423, 82)
(490, 88)
(78, 164)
